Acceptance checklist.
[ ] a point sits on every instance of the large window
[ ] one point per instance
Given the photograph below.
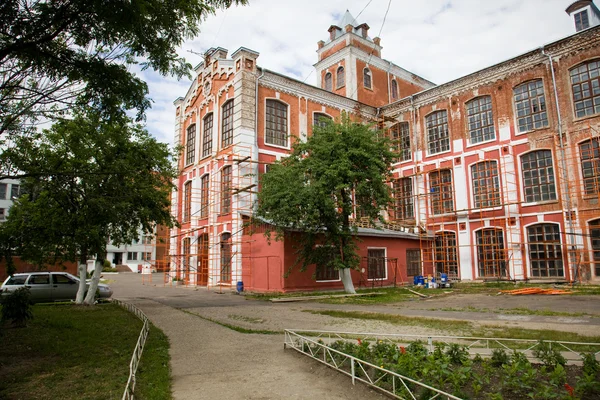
(445, 252)
(491, 259)
(340, 78)
(277, 123)
(400, 137)
(132, 256)
(585, 82)
(207, 136)
(594, 227)
(530, 104)
(480, 120)
(438, 139)
(582, 20)
(486, 185)
(403, 199)
(227, 125)
(320, 119)
(545, 253)
(186, 255)
(376, 264)
(226, 190)
(190, 145)
(441, 192)
(367, 78)
(187, 201)
(328, 81)
(394, 90)
(226, 255)
(413, 262)
(204, 182)
(590, 165)
(538, 176)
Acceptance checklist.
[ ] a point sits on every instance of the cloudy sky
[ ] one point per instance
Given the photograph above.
(439, 40)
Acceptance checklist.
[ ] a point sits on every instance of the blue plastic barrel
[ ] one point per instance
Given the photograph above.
(415, 280)
(443, 278)
(240, 287)
(421, 280)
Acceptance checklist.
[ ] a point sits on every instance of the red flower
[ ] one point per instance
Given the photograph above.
(402, 350)
(570, 390)
(359, 342)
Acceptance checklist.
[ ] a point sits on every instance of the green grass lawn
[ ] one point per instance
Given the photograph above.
(75, 352)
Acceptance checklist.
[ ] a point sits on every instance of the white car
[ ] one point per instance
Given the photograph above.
(49, 286)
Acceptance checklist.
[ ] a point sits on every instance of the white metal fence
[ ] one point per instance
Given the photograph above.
(139, 347)
(315, 344)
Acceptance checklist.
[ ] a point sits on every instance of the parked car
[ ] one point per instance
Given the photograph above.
(49, 286)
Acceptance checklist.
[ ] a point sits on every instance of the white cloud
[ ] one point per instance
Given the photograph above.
(440, 40)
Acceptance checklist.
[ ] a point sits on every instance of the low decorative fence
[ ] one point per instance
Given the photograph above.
(139, 347)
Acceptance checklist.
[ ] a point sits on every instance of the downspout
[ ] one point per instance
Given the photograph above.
(573, 265)
(389, 84)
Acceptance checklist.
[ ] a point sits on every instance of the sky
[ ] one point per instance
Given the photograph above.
(439, 40)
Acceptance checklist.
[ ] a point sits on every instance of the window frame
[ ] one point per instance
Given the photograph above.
(207, 137)
(579, 24)
(594, 188)
(15, 191)
(132, 256)
(226, 189)
(471, 118)
(516, 103)
(435, 130)
(339, 85)
(498, 249)
(378, 267)
(594, 252)
(594, 98)
(328, 81)
(204, 195)
(409, 261)
(399, 186)
(227, 110)
(367, 73)
(443, 185)
(286, 106)
(486, 180)
(399, 137)
(539, 185)
(448, 250)
(394, 89)
(226, 255)
(4, 191)
(190, 145)
(320, 114)
(187, 202)
(558, 246)
(318, 266)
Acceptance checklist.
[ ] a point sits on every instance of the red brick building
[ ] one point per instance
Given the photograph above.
(501, 168)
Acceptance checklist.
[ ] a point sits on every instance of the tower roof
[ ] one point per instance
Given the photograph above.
(347, 19)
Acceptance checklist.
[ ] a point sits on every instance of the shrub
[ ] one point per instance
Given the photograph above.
(591, 366)
(499, 357)
(16, 307)
(551, 357)
(457, 354)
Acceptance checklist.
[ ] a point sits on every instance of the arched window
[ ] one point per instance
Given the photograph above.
(187, 202)
(480, 120)
(394, 90)
(276, 131)
(438, 139)
(491, 260)
(545, 253)
(226, 190)
(590, 165)
(226, 257)
(441, 191)
(367, 78)
(320, 119)
(204, 183)
(530, 105)
(190, 145)
(445, 251)
(207, 135)
(403, 199)
(328, 81)
(400, 138)
(340, 78)
(538, 176)
(585, 82)
(227, 125)
(594, 229)
(486, 185)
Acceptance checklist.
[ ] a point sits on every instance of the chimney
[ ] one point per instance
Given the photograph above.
(333, 32)
(320, 44)
(349, 28)
(364, 30)
(377, 41)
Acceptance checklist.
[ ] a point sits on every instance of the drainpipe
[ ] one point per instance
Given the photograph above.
(573, 265)
(389, 84)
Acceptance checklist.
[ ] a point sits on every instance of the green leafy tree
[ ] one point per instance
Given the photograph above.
(87, 180)
(341, 169)
(55, 54)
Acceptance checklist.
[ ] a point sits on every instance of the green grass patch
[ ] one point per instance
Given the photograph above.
(384, 296)
(74, 352)
(154, 370)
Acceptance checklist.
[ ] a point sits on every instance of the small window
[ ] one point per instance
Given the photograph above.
(190, 146)
(62, 279)
(340, 77)
(394, 90)
(438, 139)
(376, 263)
(585, 84)
(367, 78)
(277, 123)
(132, 256)
(15, 191)
(204, 196)
(320, 119)
(227, 125)
(226, 190)
(538, 176)
(207, 136)
(328, 82)
(413, 262)
(226, 257)
(146, 256)
(39, 279)
(17, 280)
(187, 201)
(545, 253)
(481, 120)
(147, 239)
(582, 20)
(441, 192)
(3, 187)
(530, 104)
(590, 165)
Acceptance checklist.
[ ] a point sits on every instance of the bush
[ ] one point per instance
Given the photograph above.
(16, 307)
(551, 357)
(499, 357)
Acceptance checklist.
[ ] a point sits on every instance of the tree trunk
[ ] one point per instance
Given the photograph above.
(82, 275)
(91, 294)
(347, 280)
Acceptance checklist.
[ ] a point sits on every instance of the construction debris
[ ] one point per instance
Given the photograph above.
(536, 291)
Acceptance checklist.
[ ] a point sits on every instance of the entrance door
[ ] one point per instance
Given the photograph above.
(118, 259)
(202, 275)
